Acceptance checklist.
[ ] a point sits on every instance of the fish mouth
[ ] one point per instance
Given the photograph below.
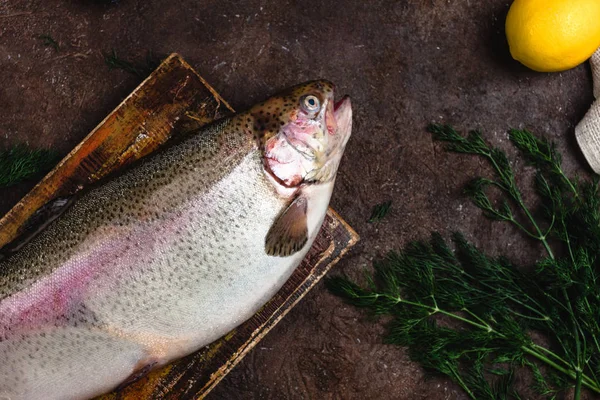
(342, 112)
(338, 103)
(339, 135)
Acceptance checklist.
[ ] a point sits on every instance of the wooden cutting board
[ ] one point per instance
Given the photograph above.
(173, 100)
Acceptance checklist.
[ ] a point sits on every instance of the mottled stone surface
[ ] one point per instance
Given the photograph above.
(404, 64)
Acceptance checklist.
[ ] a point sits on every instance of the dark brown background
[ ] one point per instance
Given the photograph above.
(405, 63)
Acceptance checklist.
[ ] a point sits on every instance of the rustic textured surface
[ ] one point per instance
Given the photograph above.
(404, 63)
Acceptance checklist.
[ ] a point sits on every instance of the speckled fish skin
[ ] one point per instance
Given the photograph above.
(169, 256)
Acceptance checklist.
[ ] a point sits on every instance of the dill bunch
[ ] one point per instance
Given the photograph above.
(497, 306)
(20, 163)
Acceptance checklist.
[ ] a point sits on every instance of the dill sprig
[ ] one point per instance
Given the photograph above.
(380, 211)
(49, 41)
(21, 163)
(141, 70)
(494, 304)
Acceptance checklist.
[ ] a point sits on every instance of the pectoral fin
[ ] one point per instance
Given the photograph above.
(289, 233)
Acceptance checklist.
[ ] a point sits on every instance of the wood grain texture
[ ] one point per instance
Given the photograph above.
(172, 100)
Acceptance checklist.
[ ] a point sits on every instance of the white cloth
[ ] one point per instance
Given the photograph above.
(588, 130)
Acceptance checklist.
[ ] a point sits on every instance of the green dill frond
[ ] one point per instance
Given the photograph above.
(545, 386)
(472, 144)
(476, 190)
(538, 152)
(141, 70)
(21, 163)
(541, 154)
(353, 293)
(49, 41)
(380, 211)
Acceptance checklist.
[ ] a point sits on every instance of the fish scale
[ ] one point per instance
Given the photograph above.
(164, 258)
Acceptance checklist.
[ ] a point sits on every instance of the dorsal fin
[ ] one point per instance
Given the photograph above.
(289, 232)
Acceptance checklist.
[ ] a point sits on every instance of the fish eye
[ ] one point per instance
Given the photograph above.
(311, 103)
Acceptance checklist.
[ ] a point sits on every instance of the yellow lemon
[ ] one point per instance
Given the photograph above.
(553, 35)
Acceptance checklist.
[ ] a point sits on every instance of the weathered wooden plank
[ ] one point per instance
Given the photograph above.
(172, 100)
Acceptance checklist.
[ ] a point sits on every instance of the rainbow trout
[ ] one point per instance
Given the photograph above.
(172, 254)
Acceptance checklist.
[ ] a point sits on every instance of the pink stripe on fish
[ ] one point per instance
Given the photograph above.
(51, 301)
(54, 298)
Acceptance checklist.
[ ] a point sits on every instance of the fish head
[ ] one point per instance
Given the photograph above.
(303, 132)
